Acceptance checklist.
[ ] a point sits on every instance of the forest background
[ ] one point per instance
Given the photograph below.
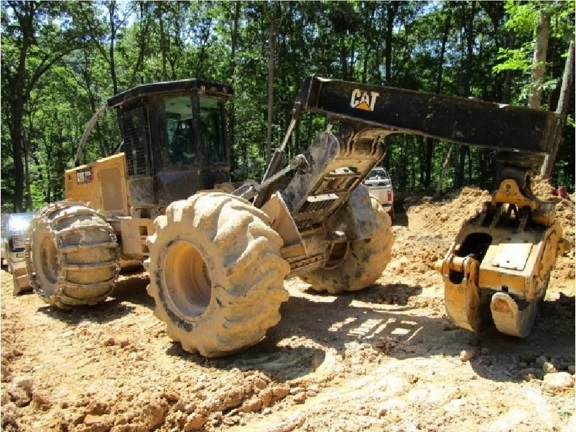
(62, 60)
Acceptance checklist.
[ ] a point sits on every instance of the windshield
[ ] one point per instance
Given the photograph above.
(182, 141)
(378, 173)
(19, 222)
(213, 124)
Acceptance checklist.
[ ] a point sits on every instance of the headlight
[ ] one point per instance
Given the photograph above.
(18, 242)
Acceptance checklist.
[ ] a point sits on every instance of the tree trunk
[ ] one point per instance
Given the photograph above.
(466, 79)
(162, 40)
(272, 53)
(562, 109)
(111, 48)
(142, 28)
(26, 147)
(539, 61)
(26, 20)
(391, 10)
(443, 170)
(232, 74)
(368, 40)
(437, 89)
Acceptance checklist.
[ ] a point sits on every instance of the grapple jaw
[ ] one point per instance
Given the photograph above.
(499, 265)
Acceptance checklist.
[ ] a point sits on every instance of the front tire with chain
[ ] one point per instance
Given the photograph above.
(216, 273)
(72, 256)
(358, 263)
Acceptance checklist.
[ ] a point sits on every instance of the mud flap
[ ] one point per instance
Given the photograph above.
(20, 278)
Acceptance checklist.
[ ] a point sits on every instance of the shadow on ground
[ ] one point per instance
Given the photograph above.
(400, 330)
(129, 290)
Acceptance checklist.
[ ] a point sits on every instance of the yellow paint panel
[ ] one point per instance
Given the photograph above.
(101, 184)
(513, 256)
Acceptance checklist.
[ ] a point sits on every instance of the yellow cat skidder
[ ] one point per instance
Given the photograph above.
(218, 256)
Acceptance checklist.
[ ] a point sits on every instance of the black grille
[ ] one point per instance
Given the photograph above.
(135, 142)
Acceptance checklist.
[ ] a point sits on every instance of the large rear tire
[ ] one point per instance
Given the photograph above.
(72, 256)
(216, 273)
(356, 265)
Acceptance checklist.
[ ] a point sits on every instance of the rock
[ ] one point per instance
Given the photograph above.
(466, 355)
(558, 381)
(154, 413)
(314, 388)
(110, 341)
(280, 391)
(189, 408)
(24, 383)
(231, 420)
(41, 401)
(194, 422)
(98, 408)
(21, 391)
(529, 374)
(300, 398)
(266, 397)
(98, 423)
(252, 405)
(259, 383)
(548, 367)
(295, 390)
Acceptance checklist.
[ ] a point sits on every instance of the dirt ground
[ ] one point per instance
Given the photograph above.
(383, 359)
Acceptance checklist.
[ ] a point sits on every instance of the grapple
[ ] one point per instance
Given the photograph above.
(499, 265)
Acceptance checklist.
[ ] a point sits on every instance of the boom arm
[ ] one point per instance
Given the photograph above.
(462, 121)
(336, 164)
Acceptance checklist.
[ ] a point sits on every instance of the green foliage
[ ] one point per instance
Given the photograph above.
(513, 59)
(521, 25)
(82, 52)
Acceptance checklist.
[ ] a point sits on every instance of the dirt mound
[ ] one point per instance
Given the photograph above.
(445, 216)
(565, 215)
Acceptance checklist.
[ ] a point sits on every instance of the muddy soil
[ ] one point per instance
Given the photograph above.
(383, 359)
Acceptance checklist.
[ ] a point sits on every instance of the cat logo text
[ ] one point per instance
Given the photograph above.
(363, 100)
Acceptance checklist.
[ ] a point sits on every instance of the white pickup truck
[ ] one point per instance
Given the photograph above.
(379, 184)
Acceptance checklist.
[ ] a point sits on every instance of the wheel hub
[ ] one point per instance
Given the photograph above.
(188, 281)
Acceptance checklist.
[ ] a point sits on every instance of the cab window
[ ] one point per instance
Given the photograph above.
(181, 140)
(213, 123)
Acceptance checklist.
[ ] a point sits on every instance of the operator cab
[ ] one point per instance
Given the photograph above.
(175, 139)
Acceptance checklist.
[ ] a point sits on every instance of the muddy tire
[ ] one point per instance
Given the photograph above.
(216, 273)
(356, 265)
(72, 256)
